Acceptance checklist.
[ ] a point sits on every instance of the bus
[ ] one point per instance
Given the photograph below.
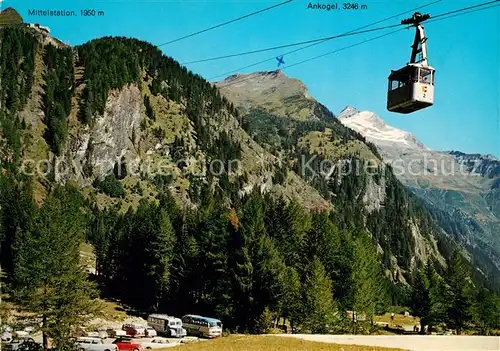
(202, 326)
(167, 325)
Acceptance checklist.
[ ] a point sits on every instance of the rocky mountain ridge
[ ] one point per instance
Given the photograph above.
(465, 186)
(373, 128)
(486, 165)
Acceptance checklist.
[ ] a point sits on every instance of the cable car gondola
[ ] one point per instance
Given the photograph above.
(411, 88)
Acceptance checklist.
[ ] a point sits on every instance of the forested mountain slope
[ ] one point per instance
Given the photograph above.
(279, 113)
(460, 190)
(190, 204)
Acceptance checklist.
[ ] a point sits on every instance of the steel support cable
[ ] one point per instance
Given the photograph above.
(225, 23)
(320, 42)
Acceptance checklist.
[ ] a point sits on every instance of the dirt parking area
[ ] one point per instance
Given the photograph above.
(411, 342)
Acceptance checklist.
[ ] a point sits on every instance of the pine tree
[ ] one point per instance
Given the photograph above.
(152, 245)
(149, 109)
(320, 310)
(242, 279)
(460, 297)
(325, 240)
(438, 297)
(49, 281)
(288, 224)
(264, 322)
(291, 301)
(16, 208)
(486, 311)
(368, 289)
(420, 300)
(183, 268)
(268, 275)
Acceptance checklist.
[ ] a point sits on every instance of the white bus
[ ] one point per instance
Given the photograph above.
(167, 325)
(202, 326)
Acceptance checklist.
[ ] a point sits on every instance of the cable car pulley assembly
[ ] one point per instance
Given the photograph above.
(411, 88)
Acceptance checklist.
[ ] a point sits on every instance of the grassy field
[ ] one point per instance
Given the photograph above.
(399, 319)
(112, 311)
(268, 343)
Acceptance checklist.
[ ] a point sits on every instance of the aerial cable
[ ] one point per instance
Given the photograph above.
(344, 48)
(464, 9)
(316, 57)
(333, 37)
(323, 41)
(293, 44)
(463, 13)
(448, 15)
(226, 23)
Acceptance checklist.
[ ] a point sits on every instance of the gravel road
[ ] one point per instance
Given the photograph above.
(411, 342)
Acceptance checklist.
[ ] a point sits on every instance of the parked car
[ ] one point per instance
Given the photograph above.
(135, 330)
(23, 344)
(151, 332)
(103, 334)
(114, 333)
(97, 334)
(126, 344)
(158, 343)
(94, 344)
(21, 334)
(6, 336)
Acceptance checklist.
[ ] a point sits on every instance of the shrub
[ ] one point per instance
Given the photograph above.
(110, 186)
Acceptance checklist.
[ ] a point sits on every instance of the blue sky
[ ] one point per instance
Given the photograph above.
(464, 50)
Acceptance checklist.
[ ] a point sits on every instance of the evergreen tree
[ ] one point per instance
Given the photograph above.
(49, 281)
(288, 224)
(264, 322)
(429, 299)
(242, 279)
(320, 313)
(213, 264)
(420, 300)
(368, 291)
(149, 109)
(438, 297)
(268, 276)
(486, 311)
(152, 242)
(329, 244)
(16, 209)
(460, 293)
(183, 268)
(291, 301)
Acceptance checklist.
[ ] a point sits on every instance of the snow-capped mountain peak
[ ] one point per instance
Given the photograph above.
(374, 129)
(347, 112)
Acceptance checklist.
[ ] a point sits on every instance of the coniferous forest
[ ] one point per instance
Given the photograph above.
(248, 258)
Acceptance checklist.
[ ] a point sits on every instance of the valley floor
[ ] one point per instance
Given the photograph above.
(410, 342)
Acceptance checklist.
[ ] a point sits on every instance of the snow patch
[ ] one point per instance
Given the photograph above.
(374, 129)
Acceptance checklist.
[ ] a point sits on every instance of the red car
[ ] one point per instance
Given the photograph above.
(126, 344)
(134, 330)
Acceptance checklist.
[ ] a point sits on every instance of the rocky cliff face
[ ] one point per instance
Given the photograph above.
(124, 137)
(94, 150)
